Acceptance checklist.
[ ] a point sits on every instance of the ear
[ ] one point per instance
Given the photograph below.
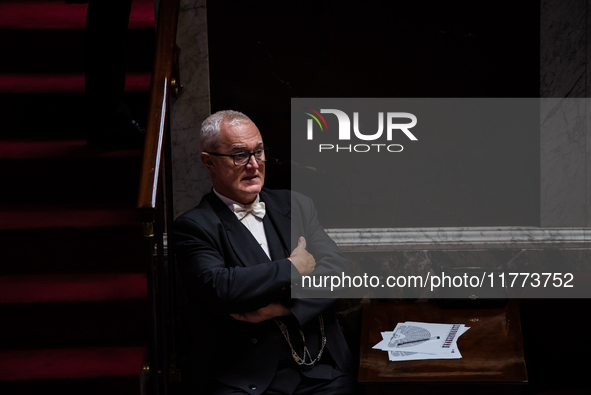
(207, 160)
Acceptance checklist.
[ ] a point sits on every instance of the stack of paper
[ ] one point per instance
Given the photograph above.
(421, 340)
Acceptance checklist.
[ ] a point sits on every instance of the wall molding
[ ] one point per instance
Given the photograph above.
(477, 238)
(466, 238)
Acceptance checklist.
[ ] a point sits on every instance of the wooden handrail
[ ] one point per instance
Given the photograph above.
(158, 109)
(160, 270)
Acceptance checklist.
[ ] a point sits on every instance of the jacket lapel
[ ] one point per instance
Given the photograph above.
(279, 216)
(245, 246)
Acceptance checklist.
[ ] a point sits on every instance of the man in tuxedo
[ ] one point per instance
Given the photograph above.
(239, 252)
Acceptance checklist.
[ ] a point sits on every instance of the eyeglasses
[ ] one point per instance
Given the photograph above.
(242, 158)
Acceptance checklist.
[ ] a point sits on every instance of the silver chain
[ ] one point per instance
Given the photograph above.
(299, 360)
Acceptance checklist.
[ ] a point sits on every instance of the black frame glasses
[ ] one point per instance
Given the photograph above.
(262, 153)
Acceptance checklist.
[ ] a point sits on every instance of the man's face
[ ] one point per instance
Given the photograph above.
(239, 183)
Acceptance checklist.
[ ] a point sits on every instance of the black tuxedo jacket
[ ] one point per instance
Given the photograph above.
(224, 270)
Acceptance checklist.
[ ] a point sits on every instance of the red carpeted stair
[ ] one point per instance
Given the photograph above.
(73, 309)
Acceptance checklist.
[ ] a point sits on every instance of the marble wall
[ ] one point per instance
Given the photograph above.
(562, 48)
(190, 178)
(565, 161)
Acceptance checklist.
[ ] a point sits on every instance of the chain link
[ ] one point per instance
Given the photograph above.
(299, 360)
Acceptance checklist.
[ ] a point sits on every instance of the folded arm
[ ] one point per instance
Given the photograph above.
(316, 255)
(233, 289)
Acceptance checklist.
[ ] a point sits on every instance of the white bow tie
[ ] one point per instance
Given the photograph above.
(257, 209)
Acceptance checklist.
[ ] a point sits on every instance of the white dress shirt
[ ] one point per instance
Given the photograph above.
(252, 223)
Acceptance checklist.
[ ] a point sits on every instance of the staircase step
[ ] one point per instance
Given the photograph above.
(43, 55)
(23, 83)
(56, 217)
(49, 106)
(57, 15)
(53, 34)
(60, 149)
(86, 174)
(56, 115)
(72, 288)
(70, 309)
(59, 238)
(95, 370)
(39, 325)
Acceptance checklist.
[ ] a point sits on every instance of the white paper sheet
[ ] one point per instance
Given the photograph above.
(420, 340)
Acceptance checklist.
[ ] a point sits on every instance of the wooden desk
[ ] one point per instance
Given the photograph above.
(492, 352)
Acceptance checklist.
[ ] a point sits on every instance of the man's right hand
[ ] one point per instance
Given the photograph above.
(302, 259)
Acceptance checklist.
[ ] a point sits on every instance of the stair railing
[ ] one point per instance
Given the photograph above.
(155, 203)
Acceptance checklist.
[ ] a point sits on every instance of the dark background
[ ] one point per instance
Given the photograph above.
(263, 53)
